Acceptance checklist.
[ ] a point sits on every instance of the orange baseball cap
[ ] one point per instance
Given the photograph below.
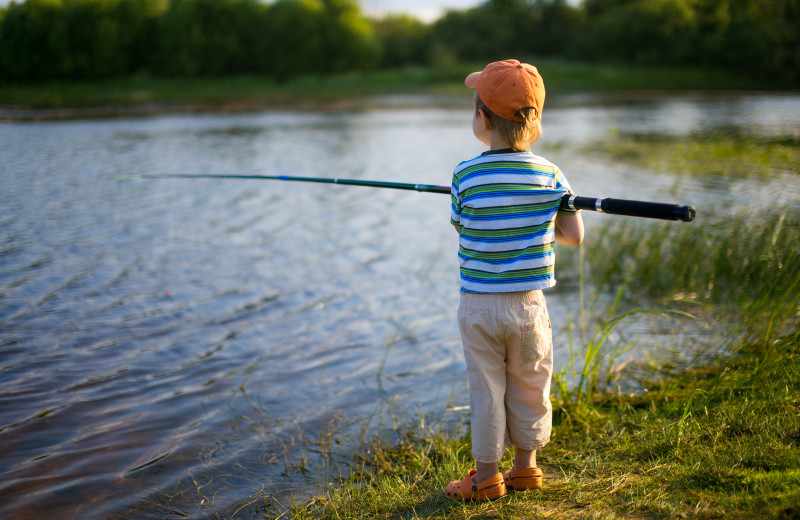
(508, 85)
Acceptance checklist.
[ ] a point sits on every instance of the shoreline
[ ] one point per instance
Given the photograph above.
(12, 113)
(142, 95)
(696, 445)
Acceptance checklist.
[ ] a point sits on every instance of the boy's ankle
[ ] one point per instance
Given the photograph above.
(478, 477)
(484, 471)
(524, 459)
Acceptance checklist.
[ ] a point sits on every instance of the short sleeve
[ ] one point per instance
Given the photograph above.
(455, 203)
(563, 184)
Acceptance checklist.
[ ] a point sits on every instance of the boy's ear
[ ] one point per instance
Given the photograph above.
(487, 123)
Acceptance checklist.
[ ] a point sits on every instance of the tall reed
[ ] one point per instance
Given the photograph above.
(745, 266)
(589, 371)
(742, 271)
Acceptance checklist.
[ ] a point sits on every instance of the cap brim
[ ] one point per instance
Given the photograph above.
(472, 80)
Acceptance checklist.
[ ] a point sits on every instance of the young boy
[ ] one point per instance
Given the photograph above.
(505, 206)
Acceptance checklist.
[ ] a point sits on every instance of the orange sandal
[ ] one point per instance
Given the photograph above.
(525, 478)
(466, 489)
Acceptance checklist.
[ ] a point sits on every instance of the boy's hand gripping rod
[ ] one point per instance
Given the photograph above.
(631, 208)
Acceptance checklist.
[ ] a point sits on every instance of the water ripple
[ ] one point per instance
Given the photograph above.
(175, 347)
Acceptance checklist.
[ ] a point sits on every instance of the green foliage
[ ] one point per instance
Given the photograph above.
(93, 39)
(753, 37)
(75, 39)
(23, 28)
(209, 37)
(404, 40)
(43, 40)
(316, 37)
(350, 41)
(499, 29)
(649, 32)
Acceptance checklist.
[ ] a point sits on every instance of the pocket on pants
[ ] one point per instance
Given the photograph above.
(536, 338)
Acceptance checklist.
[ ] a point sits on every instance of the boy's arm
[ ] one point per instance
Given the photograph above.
(569, 228)
(455, 205)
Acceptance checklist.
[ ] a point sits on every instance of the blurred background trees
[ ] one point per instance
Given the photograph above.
(44, 40)
(92, 39)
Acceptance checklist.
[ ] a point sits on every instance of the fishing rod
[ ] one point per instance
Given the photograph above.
(348, 182)
(631, 208)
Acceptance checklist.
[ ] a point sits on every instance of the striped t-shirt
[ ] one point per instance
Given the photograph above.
(505, 204)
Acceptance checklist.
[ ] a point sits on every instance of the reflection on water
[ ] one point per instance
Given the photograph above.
(184, 347)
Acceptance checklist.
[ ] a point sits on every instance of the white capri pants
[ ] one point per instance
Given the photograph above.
(508, 347)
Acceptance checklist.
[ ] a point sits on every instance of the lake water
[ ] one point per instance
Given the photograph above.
(186, 348)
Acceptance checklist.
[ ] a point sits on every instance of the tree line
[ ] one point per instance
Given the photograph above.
(42, 40)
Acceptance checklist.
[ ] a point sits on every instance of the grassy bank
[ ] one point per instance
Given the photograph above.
(714, 435)
(714, 440)
(246, 92)
(720, 441)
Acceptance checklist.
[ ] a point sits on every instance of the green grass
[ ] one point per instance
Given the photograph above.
(247, 92)
(718, 439)
(744, 267)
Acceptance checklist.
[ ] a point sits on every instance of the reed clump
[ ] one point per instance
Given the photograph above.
(743, 267)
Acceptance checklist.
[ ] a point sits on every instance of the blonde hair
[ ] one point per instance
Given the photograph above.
(519, 135)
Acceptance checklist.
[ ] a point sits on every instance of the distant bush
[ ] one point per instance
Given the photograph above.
(754, 37)
(75, 39)
(500, 29)
(208, 37)
(316, 36)
(404, 40)
(639, 32)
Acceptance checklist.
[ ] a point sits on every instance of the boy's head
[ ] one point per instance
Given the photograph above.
(511, 94)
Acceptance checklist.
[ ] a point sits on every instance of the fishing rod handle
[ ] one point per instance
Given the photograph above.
(631, 208)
